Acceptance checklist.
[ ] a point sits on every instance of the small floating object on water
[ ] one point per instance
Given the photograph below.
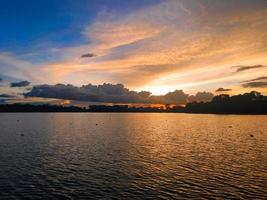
(22, 134)
(96, 124)
(230, 126)
(17, 120)
(251, 135)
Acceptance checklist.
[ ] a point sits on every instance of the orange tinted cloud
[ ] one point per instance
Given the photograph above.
(173, 44)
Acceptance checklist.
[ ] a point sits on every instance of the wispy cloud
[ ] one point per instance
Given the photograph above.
(256, 84)
(223, 90)
(166, 39)
(20, 84)
(6, 96)
(88, 55)
(260, 82)
(15, 68)
(245, 68)
(169, 37)
(262, 78)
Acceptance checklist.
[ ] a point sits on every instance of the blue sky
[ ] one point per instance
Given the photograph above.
(37, 24)
(153, 45)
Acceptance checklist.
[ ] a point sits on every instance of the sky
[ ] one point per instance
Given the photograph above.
(154, 45)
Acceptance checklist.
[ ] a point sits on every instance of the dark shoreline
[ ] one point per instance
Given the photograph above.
(252, 103)
(133, 112)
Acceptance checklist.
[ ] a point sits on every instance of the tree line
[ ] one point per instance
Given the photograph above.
(248, 103)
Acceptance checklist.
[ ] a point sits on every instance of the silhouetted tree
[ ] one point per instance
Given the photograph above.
(248, 103)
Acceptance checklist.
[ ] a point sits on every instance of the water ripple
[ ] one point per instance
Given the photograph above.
(132, 156)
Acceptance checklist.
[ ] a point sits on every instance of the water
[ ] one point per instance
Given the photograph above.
(132, 156)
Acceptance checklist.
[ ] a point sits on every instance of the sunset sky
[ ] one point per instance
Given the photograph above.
(152, 45)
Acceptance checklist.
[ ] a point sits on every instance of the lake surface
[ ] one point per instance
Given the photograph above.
(132, 156)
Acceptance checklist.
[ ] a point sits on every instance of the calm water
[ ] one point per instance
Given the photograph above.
(133, 156)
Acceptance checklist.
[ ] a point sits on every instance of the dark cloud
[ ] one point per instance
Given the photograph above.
(6, 96)
(88, 55)
(262, 78)
(20, 84)
(93, 93)
(3, 101)
(175, 97)
(113, 94)
(256, 84)
(144, 94)
(201, 97)
(223, 90)
(244, 68)
(260, 82)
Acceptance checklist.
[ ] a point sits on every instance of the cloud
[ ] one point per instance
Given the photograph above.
(175, 97)
(262, 78)
(143, 73)
(93, 93)
(260, 82)
(201, 97)
(256, 84)
(16, 68)
(5, 78)
(3, 101)
(88, 55)
(161, 42)
(223, 90)
(6, 96)
(20, 84)
(165, 39)
(110, 93)
(245, 68)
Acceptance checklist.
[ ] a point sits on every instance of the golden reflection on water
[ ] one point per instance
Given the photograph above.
(132, 155)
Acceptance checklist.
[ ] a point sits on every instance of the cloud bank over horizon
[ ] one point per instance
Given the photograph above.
(116, 93)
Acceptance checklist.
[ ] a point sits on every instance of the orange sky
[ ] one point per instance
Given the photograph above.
(189, 45)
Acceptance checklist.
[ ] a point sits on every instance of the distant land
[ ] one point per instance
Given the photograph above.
(247, 103)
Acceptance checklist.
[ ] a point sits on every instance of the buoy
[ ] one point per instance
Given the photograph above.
(251, 135)
(21, 134)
